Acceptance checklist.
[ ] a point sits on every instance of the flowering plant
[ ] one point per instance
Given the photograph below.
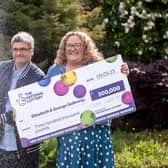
(137, 29)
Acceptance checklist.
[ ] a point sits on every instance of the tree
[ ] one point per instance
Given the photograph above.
(46, 20)
(4, 40)
(136, 29)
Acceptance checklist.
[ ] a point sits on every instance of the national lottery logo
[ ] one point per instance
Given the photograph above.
(22, 100)
(28, 97)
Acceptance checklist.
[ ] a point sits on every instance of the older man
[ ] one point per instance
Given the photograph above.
(15, 73)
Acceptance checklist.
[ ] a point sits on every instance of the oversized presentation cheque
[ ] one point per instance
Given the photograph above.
(71, 101)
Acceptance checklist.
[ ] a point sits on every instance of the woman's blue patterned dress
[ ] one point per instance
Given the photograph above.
(87, 148)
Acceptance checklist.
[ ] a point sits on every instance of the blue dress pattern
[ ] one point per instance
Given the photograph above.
(87, 148)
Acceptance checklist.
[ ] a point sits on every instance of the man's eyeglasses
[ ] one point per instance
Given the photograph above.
(21, 49)
(76, 46)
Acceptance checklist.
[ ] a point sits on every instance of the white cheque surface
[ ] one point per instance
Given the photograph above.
(72, 101)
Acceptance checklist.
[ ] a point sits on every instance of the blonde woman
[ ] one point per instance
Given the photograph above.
(90, 147)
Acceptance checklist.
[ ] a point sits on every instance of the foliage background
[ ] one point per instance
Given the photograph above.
(136, 29)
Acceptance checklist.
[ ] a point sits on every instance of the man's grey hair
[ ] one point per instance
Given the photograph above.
(23, 37)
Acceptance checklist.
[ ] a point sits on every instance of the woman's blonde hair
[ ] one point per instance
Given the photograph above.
(91, 53)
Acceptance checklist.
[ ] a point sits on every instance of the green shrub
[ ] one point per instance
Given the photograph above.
(48, 153)
(143, 149)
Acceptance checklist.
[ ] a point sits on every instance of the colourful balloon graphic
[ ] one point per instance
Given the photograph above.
(79, 91)
(88, 118)
(45, 81)
(81, 126)
(111, 59)
(127, 98)
(14, 113)
(60, 89)
(25, 142)
(69, 78)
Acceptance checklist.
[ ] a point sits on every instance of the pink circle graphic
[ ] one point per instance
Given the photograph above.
(127, 97)
(60, 89)
(81, 126)
(79, 91)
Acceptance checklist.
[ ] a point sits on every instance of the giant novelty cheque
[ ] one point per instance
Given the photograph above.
(71, 101)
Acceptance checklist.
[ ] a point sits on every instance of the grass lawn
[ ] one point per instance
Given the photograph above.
(141, 150)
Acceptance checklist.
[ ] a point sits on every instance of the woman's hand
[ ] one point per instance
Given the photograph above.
(125, 68)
